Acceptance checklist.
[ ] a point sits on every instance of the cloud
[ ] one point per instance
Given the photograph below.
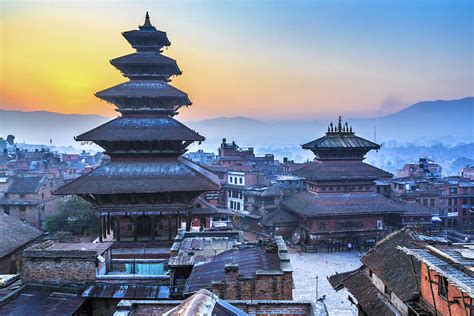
(391, 104)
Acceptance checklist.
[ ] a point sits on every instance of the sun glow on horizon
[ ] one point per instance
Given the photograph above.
(280, 62)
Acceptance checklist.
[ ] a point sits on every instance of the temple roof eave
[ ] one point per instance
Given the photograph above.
(136, 176)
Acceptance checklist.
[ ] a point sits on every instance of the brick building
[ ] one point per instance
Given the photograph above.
(387, 283)
(30, 198)
(425, 168)
(63, 263)
(15, 236)
(447, 280)
(251, 271)
(207, 303)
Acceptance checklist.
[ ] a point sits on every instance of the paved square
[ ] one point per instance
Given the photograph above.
(307, 266)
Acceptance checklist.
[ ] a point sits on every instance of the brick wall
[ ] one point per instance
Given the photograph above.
(251, 308)
(440, 303)
(268, 286)
(58, 270)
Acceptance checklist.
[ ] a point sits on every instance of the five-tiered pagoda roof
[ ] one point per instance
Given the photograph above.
(145, 143)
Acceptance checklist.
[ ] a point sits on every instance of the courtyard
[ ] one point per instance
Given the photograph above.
(308, 266)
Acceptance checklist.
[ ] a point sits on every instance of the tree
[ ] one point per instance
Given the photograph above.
(73, 215)
(11, 140)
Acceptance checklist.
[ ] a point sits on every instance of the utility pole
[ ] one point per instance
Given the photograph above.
(317, 288)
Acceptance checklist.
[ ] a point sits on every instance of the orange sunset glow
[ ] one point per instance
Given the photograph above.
(54, 57)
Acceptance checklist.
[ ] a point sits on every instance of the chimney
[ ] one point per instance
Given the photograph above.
(231, 271)
(224, 140)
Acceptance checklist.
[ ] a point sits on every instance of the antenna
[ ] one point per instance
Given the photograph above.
(375, 133)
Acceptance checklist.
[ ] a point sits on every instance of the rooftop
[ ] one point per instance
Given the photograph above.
(162, 128)
(25, 185)
(43, 301)
(251, 259)
(14, 233)
(308, 204)
(340, 138)
(456, 263)
(197, 249)
(148, 176)
(340, 170)
(50, 249)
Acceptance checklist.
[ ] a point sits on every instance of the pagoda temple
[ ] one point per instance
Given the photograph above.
(340, 206)
(146, 190)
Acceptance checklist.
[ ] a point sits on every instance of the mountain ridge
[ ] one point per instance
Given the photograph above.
(424, 121)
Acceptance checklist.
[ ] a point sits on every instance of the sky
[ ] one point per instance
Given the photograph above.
(274, 60)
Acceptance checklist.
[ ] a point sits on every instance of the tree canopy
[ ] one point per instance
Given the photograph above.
(72, 215)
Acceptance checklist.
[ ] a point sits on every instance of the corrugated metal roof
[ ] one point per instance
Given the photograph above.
(461, 279)
(127, 291)
(249, 260)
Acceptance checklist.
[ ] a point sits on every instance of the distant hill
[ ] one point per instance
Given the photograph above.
(428, 122)
(41, 126)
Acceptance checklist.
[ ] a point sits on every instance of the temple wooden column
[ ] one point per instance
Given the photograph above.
(104, 226)
(117, 227)
(169, 228)
(109, 218)
(153, 227)
(100, 228)
(135, 228)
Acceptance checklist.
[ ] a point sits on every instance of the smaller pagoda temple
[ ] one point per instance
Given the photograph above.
(338, 165)
(340, 206)
(147, 189)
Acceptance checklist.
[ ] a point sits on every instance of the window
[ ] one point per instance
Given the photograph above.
(432, 202)
(387, 291)
(442, 286)
(240, 180)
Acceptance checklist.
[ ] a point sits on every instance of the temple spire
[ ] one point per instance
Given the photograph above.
(147, 20)
(339, 124)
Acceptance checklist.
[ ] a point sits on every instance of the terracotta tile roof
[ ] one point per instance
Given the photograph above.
(340, 170)
(278, 217)
(14, 234)
(393, 266)
(25, 185)
(141, 129)
(137, 176)
(308, 204)
(362, 288)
